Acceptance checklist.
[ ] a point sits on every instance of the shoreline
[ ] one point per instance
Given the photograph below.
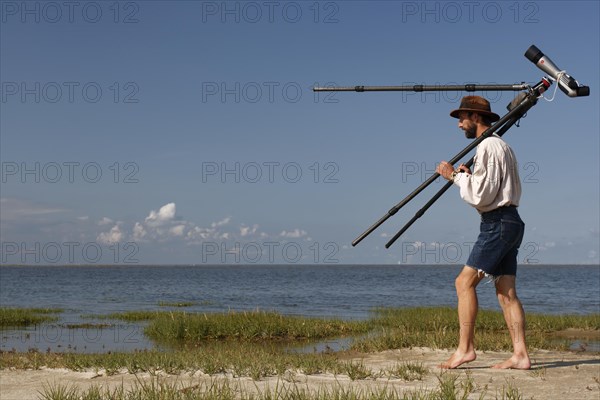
(82, 342)
(397, 352)
(554, 375)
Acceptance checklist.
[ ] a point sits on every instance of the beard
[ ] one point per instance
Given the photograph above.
(471, 132)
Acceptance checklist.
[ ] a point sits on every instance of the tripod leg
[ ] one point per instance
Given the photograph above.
(443, 190)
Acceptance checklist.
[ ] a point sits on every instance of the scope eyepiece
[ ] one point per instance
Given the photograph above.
(566, 83)
(534, 54)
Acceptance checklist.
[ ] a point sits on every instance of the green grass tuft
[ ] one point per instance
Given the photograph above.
(254, 325)
(21, 317)
(450, 388)
(437, 327)
(179, 304)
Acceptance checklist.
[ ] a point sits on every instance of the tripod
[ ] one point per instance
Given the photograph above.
(525, 102)
(517, 109)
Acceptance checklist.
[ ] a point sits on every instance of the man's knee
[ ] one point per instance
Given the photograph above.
(506, 291)
(506, 296)
(467, 279)
(459, 283)
(505, 299)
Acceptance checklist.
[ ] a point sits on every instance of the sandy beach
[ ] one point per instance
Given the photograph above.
(554, 375)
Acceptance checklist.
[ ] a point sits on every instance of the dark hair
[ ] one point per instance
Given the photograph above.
(485, 119)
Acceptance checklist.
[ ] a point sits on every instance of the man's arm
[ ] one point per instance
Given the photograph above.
(480, 187)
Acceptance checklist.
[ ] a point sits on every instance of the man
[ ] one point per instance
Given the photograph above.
(494, 189)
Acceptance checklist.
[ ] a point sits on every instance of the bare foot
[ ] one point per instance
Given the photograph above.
(458, 358)
(514, 362)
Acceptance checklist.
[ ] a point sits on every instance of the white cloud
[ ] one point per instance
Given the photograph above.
(246, 230)
(83, 218)
(177, 230)
(105, 221)
(138, 232)
(162, 226)
(164, 215)
(113, 236)
(296, 233)
(15, 209)
(224, 221)
(200, 233)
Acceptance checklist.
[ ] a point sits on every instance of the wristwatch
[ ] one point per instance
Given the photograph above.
(453, 175)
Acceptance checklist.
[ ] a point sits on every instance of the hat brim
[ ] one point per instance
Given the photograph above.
(493, 116)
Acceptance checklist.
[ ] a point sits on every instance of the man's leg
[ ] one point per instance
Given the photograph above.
(466, 284)
(515, 320)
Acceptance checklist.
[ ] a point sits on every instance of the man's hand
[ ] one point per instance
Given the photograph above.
(445, 169)
(464, 168)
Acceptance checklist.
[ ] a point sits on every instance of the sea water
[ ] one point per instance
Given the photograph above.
(339, 291)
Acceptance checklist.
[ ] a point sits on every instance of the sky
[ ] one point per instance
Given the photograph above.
(186, 132)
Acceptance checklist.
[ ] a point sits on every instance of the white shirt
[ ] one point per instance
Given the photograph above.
(495, 180)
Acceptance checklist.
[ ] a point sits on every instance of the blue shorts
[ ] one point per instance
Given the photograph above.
(496, 248)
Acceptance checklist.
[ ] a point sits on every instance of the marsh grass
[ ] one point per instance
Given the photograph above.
(256, 344)
(437, 327)
(64, 392)
(451, 387)
(389, 328)
(538, 372)
(128, 316)
(355, 370)
(87, 326)
(252, 325)
(238, 358)
(176, 304)
(510, 392)
(21, 317)
(407, 371)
